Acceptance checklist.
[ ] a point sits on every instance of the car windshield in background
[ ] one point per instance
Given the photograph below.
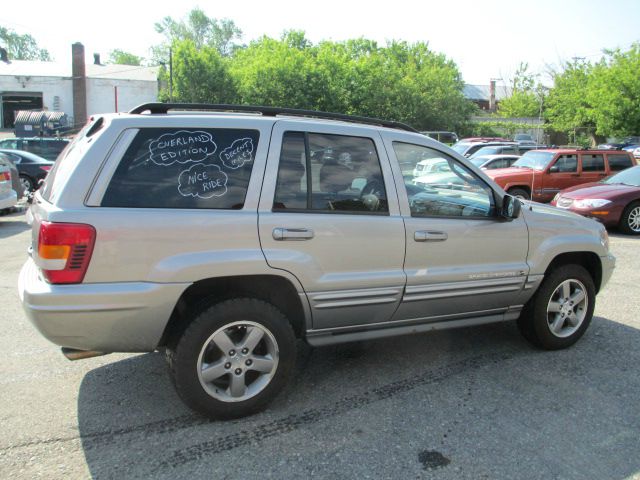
(534, 159)
(523, 137)
(630, 176)
(461, 147)
(488, 151)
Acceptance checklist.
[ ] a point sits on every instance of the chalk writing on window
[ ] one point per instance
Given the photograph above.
(237, 154)
(181, 147)
(203, 181)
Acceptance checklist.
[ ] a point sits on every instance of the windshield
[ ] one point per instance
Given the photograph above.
(461, 147)
(630, 176)
(488, 151)
(534, 159)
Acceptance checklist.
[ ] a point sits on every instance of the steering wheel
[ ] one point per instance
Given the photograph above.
(371, 194)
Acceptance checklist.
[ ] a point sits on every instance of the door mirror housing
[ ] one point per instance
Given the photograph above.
(510, 207)
(554, 169)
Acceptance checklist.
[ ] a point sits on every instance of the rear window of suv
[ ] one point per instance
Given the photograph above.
(619, 162)
(184, 168)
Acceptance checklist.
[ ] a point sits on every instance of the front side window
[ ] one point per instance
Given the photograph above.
(566, 164)
(453, 192)
(184, 168)
(329, 173)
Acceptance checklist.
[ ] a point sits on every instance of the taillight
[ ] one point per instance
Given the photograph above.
(46, 168)
(64, 251)
(5, 177)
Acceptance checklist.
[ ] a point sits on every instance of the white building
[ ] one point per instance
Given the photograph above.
(36, 85)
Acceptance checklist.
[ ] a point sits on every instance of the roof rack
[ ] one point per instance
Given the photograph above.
(159, 108)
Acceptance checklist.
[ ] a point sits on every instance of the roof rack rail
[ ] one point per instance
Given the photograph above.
(159, 108)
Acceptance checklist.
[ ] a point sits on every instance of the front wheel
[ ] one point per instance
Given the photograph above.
(234, 358)
(561, 310)
(630, 220)
(520, 193)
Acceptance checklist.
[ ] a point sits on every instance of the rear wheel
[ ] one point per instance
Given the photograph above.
(27, 184)
(630, 220)
(561, 310)
(234, 358)
(520, 193)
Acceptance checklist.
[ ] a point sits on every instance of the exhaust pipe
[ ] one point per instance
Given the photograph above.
(73, 354)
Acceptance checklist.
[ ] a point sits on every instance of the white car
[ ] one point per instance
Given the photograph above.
(8, 196)
(431, 165)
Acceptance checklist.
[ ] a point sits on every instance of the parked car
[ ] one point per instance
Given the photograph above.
(540, 174)
(484, 139)
(506, 148)
(496, 149)
(15, 176)
(448, 138)
(31, 168)
(44, 147)
(491, 162)
(221, 237)
(431, 165)
(634, 150)
(619, 144)
(8, 196)
(524, 138)
(614, 201)
(467, 149)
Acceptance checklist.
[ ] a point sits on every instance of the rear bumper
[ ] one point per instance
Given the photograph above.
(105, 317)
(8, 200)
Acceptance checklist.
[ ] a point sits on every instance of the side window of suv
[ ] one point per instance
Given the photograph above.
(565, 164)
(592, 163)
(457, 192)
(329, 173)
(184, 168)
(619, 162)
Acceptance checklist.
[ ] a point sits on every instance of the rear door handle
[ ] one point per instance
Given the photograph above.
(281, 234)
(429, 236)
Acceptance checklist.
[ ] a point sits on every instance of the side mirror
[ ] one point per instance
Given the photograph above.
(510, 207)
(554, 169)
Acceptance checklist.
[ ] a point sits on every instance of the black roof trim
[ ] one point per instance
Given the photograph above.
(159, 108)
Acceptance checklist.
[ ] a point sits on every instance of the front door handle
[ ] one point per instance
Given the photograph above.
(430, 236)
(292, 234)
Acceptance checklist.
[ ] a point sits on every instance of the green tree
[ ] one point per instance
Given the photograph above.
(200, 75)
(614, 92)
(22, 47)
(201, 30)
(567, 107)
(273, 72)
(120, 57)
(401, 81)
(526, 95)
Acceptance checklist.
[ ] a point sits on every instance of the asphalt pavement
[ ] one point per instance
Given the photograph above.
(474, 403)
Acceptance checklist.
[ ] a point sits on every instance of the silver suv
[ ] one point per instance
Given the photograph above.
(222, 237)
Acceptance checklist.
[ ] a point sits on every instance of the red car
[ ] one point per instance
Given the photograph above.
(615, 201)
(540, 174)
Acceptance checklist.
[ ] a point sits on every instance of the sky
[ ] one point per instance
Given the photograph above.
(487, 39)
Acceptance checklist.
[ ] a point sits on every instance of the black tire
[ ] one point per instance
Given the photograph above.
(629, 219)
(519, 193)
(27, 183)
(236, 319)
(538, 324)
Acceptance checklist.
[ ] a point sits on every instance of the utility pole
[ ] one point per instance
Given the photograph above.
(170, 75)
